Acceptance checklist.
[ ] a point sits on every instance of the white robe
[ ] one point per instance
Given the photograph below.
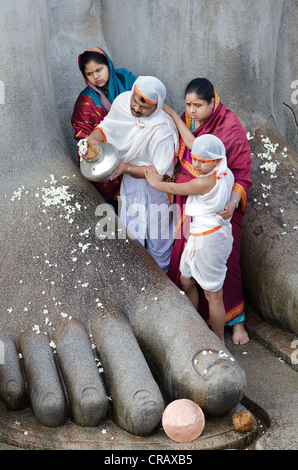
(204, 257)
(142, 141)
(145, 141)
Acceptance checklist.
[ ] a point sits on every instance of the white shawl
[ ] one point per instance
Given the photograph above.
(131, 134)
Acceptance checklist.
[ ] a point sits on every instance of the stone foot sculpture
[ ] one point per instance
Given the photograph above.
(270, 227)
(61, 271)
(62, 281)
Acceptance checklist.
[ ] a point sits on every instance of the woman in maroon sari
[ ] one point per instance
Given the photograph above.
(205, 114)
(104, 83)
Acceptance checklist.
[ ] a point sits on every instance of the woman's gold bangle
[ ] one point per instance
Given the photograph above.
(129, 169)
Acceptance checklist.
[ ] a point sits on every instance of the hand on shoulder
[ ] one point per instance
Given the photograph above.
(169, 111)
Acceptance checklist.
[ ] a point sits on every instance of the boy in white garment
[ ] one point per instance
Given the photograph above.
(144, 135)
(210, 241)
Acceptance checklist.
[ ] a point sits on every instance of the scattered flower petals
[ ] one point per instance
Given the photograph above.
(83, 146)
(36, 329)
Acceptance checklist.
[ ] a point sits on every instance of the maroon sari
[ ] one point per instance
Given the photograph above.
(225, 125)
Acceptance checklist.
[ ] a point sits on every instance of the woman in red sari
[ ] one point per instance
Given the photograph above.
(205, 114)
(104, 83)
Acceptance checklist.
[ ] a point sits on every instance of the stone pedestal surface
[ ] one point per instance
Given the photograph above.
(54, 266)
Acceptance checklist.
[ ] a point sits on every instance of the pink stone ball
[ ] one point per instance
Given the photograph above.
(183, 420)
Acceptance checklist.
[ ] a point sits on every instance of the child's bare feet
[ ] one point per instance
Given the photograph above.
(240, 335)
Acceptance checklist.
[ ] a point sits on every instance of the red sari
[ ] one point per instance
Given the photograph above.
(226, 126)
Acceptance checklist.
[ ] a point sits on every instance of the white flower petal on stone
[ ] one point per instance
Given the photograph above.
(83, 146)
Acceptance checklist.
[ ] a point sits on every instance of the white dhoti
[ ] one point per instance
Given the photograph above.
(148, 216)
(204, 257)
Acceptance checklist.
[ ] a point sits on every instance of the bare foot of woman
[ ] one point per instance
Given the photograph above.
(240, 335)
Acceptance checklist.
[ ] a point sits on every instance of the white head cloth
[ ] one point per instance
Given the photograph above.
(210, 147)
(152, 90)
(130, 134)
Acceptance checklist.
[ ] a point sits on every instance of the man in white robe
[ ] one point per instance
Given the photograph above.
(144, 135)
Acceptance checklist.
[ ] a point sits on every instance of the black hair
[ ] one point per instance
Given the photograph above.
(202, 88)
(88, 56)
